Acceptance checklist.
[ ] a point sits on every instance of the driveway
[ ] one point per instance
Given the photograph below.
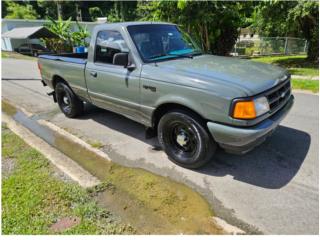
(273, 189)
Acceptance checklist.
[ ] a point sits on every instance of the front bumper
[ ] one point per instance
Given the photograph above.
(243, 139)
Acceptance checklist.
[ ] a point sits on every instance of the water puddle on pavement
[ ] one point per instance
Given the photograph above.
(152, 204)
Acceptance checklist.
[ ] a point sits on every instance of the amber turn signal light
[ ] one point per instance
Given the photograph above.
(244, 110)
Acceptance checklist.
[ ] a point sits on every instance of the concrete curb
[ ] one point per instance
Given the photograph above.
(228, 228)
(313, 78)
(61, 161)
(73, 138)
(304, 92)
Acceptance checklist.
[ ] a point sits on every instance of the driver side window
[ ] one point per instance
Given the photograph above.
(109, 42)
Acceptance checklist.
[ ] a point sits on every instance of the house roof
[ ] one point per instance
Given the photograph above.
(39, 21)
(29, 32)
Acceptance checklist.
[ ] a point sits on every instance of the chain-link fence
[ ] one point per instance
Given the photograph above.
(270, 46)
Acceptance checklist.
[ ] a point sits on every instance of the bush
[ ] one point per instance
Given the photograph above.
(67, 39)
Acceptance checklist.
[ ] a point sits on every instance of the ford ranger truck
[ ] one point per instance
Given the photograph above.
(155, 74)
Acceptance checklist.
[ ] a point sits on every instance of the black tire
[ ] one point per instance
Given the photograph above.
(68, 102)
(185, 140)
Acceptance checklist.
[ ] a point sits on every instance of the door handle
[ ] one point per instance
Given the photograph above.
(93, 74)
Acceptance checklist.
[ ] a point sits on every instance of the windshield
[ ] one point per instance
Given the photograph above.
(162, 42)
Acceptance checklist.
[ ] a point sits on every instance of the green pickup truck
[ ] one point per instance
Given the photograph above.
(155, 74)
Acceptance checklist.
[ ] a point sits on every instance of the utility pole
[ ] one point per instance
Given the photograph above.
(79, 14)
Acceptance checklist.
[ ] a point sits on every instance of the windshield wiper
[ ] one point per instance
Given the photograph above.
(182, 55)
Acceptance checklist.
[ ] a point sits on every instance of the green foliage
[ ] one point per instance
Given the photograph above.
(306, 13)
(312, 72)
(67, 39)
(95, 12)
(33, 198)
(297, 65)
(295, 61)
(18, 11)
(63, 30)
(289, 18)
(310, 85)
(78, 38)
(213, 23)
(16, 55)
(122, 11)
(46, 9)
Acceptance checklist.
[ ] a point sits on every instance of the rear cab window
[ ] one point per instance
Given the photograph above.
(108, 43)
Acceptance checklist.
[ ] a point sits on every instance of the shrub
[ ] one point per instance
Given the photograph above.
(67, 39)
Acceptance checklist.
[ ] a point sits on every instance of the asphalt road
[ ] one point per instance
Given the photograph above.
(273, 189)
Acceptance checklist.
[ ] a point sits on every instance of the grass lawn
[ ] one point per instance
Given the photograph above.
(15, 55)
(34, 198)
(303, 84)
(297, 65)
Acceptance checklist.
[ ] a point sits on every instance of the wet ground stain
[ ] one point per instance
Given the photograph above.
(8, 108)
(150, 203)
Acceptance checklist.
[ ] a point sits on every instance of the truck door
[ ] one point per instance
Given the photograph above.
(111, 86)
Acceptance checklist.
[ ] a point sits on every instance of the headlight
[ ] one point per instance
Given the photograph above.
(249, 109)
(261, 105)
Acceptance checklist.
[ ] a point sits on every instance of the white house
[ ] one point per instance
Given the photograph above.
(8, 44)
(248, 34)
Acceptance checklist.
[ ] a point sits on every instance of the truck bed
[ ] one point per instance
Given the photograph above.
(78, 58)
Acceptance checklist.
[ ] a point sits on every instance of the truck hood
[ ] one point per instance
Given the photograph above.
(252, 77)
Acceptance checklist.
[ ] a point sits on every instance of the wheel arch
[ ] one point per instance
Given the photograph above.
(166, 107)
(56, 78)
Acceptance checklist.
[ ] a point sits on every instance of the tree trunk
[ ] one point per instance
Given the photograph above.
(313, 49)
(310, 29)
(207, 36)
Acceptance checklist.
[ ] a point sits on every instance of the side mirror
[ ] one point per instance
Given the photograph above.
(120, 59)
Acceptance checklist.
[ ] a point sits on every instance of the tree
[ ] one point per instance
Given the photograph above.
(289, 19)
(95, 12)
(4, 9)
(67, 38)
(213, 23)
(46, 9)
(63, 30)
(19, 11)
(306, 14)
(122, 11)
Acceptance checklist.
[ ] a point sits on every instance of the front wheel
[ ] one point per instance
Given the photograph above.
(185, 139)
(68, 102)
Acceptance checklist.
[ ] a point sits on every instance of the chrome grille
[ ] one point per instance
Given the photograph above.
(279, 95)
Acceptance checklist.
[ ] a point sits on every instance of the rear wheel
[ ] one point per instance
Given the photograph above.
(185, 140)
(68, 102)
